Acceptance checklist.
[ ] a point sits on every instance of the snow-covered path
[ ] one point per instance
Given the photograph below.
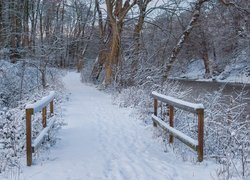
(101, 141)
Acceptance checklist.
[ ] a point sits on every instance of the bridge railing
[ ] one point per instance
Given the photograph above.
(31, 109)
(172, 102)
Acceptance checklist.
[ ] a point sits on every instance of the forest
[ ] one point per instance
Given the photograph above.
(131, 48)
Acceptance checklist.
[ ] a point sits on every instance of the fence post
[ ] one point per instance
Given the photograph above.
(29, 112)
(200, 113)
(44, 116)
(155, 110)
(171, 122)
(51, 107)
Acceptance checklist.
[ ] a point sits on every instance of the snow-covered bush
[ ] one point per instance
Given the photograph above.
(12, 132)
(227, 132)
(227, 125)
(17, 81)
(19, 85)
(86, 71)
(140, 97)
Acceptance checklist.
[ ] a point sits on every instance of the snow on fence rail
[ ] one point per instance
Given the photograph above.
(172, 102)
(31, 109)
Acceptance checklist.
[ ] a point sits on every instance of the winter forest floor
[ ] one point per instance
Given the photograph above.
(102, 141)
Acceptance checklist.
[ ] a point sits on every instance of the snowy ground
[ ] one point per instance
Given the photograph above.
(102, 141)
(237, 71)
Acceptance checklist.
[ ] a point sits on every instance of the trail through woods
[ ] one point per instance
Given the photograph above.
(102, 141)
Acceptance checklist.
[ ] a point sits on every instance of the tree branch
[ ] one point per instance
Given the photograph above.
(234, 5)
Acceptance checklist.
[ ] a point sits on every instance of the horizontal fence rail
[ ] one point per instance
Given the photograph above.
(172, 102)
(31, 109)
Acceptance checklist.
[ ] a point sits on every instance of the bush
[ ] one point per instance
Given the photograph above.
(227, 126)
(19, 85)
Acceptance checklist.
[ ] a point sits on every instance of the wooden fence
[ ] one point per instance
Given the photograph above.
(198, 109)
(31, 109)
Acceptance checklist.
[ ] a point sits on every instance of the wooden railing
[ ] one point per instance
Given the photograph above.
(31, 109)
(172, 102)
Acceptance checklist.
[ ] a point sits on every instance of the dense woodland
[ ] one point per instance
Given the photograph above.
(126, 38)
(134, 45)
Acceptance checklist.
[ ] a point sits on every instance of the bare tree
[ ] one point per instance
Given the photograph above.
(117, 12)
(142, 4)
(170, 61)
(104, 38)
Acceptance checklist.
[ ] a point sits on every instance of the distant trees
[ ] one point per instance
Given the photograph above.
(125, 36)
(48, 33)
(29, 26)
(214, 30)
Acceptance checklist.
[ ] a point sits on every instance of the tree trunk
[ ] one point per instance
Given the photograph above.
(137, 45)
(22, 79)
(41, 26)
(116, 14)
(99, 63)
(14, 29)
(102, 54)
(25, 37)
(205, 56)
(170, 61)
(19, 8)
(206, 64)
(1, 24)
(43, 78)
(114, 56)
(34, 20)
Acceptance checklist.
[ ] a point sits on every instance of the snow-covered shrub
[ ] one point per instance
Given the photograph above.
(19, 85)
(227, 132)
(12, 130)
(237, 69)
(17, 81)
(140, 97)
(54, 76)
(227, 124)
(87, 70)
(131, 97)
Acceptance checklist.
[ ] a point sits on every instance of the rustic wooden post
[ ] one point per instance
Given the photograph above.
(29, 112)
(44, 114)
(51, 107)
(171, 122)
(155, 110)
(200, 113)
